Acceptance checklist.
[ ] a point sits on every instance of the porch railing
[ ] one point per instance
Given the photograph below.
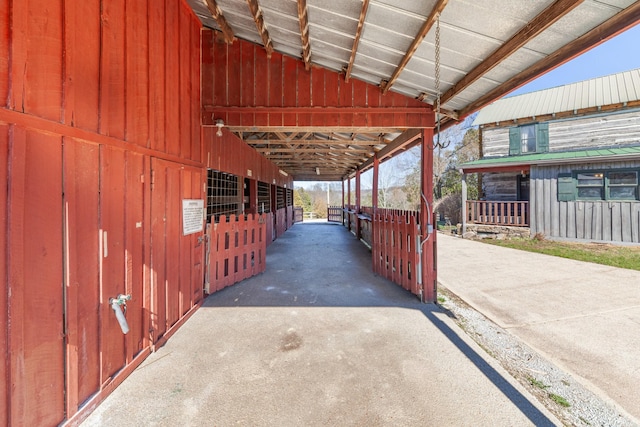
(514, 214)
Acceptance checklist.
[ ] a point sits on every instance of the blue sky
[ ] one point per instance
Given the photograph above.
(618, 54)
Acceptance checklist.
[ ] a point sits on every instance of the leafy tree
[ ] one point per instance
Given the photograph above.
(302, 198)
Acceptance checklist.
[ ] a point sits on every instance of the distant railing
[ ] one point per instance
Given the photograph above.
(334, 213)
(498, 213)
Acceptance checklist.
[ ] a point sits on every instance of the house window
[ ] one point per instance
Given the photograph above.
(528, 139)
(599, 185)
(623, 185)
(590, 185)
(533, 138)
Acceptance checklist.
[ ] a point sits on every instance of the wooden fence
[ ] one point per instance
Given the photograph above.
(334, 214)
(237, 250)
(396, 238)
(498, 213)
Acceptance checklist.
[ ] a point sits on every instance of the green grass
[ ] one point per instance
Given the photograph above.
(534, 382)
(559, 400)
(616, 256)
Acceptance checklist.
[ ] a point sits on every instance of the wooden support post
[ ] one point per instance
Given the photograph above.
(427, 261)
(464, 203)
(349, 203)
(343, 206)
(374, 204)
(357, 207)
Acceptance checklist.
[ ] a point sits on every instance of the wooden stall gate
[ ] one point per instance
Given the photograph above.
(236, 251)
(334, 214)
(395, 254)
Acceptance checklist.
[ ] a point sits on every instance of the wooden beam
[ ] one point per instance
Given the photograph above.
(356, 41)
(216, 12)
(274, 150)
(620, 22)
(403, 141)
(303, 18)
(262, 29)
(385, 85)
(272, 142)
(537, 25)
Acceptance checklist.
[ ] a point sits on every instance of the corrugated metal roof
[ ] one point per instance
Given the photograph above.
(488, 48)
(594, 155)
(599, 92)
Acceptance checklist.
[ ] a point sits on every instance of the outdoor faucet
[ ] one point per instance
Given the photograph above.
(116, 306)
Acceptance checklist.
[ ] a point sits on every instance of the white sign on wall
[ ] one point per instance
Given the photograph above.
(192, 216)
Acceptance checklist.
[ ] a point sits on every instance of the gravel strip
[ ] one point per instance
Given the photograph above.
(565, 397)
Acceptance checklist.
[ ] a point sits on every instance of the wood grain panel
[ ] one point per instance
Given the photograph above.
(184, 55)
(137, 73)
(158, 250)
(172, 77)
(113, 70)
(157, 34)
(112, 216)
(4, 349)
(134, 252)
(81, 207)
(5, 38)
(174, 231)
(35, 278)
(82, 64)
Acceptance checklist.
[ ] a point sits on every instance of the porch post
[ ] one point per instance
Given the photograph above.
(463, 210)
(348, 203)
(342, 202)
(428, 238)
(357, 207)
(374, 208)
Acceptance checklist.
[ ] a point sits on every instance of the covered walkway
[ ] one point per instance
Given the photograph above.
(318, 339)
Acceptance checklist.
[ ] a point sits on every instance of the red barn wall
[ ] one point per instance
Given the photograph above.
(97, 100)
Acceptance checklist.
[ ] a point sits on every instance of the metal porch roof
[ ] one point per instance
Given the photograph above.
(582, 156)
(617, 89)
(488, 48)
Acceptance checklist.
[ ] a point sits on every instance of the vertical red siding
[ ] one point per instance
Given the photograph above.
(156, 17)
(194, 92)
(35, 279)
(137, 89)
(134, 255)
(184, 85)
(81, 183)
(5, 37)
(173, 230)
(82, 64)
(112, 70)
(158, 248)
(172, 77)
(4, 354)
(112, 210)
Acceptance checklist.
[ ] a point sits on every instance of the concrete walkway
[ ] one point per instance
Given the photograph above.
(319, 340)
(583, 317)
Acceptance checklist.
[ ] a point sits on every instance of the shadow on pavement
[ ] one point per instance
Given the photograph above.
(323, 265)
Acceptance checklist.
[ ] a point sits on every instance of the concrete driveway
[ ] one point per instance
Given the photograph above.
(584, 317)
(319, 340)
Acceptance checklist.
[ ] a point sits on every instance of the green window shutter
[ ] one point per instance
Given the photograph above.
(514, 141)
(566, 188)
(542, 137)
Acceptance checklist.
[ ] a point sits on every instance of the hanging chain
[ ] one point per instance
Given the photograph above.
(437, 74)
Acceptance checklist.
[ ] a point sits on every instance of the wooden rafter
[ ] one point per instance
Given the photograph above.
(311, 150)
(313, 142)
(217, 14)
(304, 33)
(615, 25)
(385, 85)
(537, 25)
(262, 29)
(356, 41)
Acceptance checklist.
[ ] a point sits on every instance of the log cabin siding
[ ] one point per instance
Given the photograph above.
(499, 186)
(614, 221)
(596, 131)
